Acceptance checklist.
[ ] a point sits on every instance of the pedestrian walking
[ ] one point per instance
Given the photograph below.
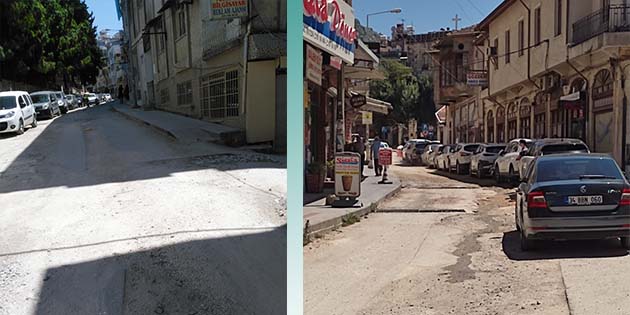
(126, 92)
(120, 93)
(376, 146)
(360, 148)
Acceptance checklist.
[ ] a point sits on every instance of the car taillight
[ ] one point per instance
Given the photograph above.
(625, 197)
(536, 199)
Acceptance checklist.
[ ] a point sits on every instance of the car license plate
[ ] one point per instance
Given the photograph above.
(585, 200)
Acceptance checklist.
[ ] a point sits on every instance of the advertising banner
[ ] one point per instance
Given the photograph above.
(314, 62)
(348, 174)
(329, 26)
(385, 156)
(228, 9)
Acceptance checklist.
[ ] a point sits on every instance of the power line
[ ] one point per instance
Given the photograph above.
(476, 8)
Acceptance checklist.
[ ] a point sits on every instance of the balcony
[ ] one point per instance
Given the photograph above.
(612, 19)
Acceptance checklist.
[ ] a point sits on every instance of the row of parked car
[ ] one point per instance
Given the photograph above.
(19, 109)
(564, 191)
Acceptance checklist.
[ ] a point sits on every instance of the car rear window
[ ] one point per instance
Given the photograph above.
(573, 168)
(420, 146)
(471, 148)
(494, 149)
(564, 148)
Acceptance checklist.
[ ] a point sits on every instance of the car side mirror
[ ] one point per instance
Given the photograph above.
(521, 188)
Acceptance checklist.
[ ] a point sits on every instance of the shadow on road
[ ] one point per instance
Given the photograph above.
(561, 249)
(243, 274)
(64, 155)
(485, 182)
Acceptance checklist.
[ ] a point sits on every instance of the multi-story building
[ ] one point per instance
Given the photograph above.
(411, 48)
(223, 63)
(459, 62)
(558, 68)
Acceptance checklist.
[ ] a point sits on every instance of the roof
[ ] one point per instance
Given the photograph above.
(43, 92)
(558, 141)
(366, 34)
(493, 15)
(592, 156)
(12, 93)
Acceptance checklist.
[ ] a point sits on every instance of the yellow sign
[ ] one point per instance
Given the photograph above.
(366, 117)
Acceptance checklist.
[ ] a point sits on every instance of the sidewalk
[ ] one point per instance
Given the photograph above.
(182, 128)
(322, 218)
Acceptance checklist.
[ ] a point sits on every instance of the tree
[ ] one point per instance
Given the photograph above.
(410, 95)
(43, 40)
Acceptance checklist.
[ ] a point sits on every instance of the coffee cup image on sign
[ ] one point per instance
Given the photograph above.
(346, 181)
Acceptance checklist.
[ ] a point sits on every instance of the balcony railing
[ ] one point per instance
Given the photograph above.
(613, 18)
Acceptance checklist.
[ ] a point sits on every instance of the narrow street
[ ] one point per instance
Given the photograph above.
(446, 244)
(102, 215)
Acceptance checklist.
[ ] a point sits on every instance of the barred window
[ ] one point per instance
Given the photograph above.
(220, 95)
(184, 93)
(164, 97)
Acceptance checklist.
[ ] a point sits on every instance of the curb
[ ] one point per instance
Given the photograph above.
(326, 226)
(136, 119)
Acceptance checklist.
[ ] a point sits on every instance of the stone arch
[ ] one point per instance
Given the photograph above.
(603, 84)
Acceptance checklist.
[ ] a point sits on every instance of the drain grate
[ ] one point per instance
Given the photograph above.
(421, 210)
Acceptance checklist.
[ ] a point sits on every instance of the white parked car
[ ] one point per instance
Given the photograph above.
(550, 146)
(483, 159)
(460, 158)
(507, 166)
(16, 112)
(92, 99)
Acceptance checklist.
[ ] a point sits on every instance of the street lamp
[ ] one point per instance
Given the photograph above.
(395, 10)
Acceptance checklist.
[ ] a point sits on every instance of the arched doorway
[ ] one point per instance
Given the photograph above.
(490, 128)
(500, 125)
(603, 111)
(525, 110)
(511, 121)
(540, 111)
(575, 111)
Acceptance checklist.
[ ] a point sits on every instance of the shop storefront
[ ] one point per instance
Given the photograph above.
(500, 125)
(540, 109)
(329, 45)
(512, 116)
(603, 112)
(525, 118)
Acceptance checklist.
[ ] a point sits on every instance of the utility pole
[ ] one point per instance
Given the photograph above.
(456, 19)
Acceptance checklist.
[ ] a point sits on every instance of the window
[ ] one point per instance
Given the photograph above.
(146, 43)
(164, 97)
(160, 29)
(220, 95)
(184, 93)
(496, 58)
(558, 25)
(537, 25)
(507, 46)
(521, 37)
(181, 20)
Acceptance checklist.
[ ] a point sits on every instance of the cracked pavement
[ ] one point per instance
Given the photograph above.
(458, 263)
(102, 215)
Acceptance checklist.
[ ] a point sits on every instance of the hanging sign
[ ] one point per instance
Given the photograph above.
(358, 100)
(385, 156)
(366, 118)
(335, 62)
(314, 61)
(329, 25)
(228, 9)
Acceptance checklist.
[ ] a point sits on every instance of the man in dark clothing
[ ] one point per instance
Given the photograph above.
(120, 93)
(376, 146)
(360, 148)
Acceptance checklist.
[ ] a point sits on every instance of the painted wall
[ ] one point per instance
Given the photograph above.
(261, 101)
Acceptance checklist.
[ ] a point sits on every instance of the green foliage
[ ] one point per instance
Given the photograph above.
(410, 95)
(42, 40)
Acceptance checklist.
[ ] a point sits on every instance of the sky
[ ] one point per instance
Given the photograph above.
(104, 12)
(424, 15)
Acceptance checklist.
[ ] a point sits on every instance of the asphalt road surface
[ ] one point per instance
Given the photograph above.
(102, 215)
(440, 260)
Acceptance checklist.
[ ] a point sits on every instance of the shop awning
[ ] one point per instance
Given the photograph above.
(365, 65)
(573, 100)
(377, 106)
(441, 115)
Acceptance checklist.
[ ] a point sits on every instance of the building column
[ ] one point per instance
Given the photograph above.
(618, 117)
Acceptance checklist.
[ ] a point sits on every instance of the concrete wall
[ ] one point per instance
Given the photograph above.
(261, 101)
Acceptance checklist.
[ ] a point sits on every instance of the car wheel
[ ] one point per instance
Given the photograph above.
(20, 129)
(512, 174)
(625, 242)
(518, 226)
(497, 174)
(479, 172)
(458, 168)
(526, 243)
(34, 123)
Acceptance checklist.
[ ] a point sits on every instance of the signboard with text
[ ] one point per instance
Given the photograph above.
(358, 100)
(366, 118)
(329, 25)
(385, 156)
(314, 61)
(348, 174)
(228, 9)
(477, 78)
